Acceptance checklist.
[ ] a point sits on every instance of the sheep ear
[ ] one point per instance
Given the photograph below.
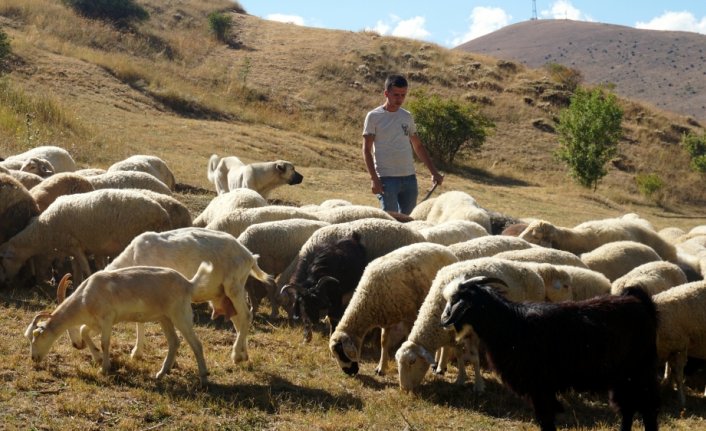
(453, 312)
(350, 350)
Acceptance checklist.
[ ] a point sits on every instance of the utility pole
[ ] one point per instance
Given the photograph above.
(534, 10)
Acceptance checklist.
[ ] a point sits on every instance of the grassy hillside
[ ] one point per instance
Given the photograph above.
(168, 88)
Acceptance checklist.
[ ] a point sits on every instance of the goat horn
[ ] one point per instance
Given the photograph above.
(61, 289)
(326, 278)
(39, 316)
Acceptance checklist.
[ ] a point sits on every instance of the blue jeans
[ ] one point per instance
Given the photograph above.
(399, 193)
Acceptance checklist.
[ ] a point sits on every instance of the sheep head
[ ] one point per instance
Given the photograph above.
(413, 361)
(40, 340)
(10, 262)
(344, 350)
(38, 166)
(540, 232)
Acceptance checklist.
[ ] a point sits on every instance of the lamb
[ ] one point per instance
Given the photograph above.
(346, 213)
(592, 234)
(538, 350)
(237, 221)
(128, 180)
(182, 250)
(390, 292)
(453, 231)
(149, 164)
(427, 336)
(615, 259)
(652, 277)
(63, 183)
(456, 205)
(17, 207)
(487, 246)
(225, 203)
(142, 294)
(277, 243)
(101, 222)
(543, 254)
(59, 158)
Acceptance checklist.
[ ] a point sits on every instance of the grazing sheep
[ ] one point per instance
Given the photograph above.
(346, 213)
(457, 205)
(17, 207)
(682, 324)
(38, 166)
(652, 277)
(487, 246)
(586, 283)
(615, 259)
(427, 336)
(543, 254)
(182, 250)
(59, 158)
(100, 222)
(142, 294)
(592, 234)
(277, 243)
(237, 221)
(128, 180)
(390, 292)
(605, 343)
(149, 164)
(453, 231)
(63, 183)
(179, 214)
(225, 203)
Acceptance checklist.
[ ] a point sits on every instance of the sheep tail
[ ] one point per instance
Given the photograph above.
(259, 274)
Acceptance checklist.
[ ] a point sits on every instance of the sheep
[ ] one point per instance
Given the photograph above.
(277, 243)
(538, 350)
(59, 158)
(615, 259)
(670, 234)
(89, 172)
(38, 166)
(27, 179)
(179, 214)
(592, 234)
(456, 205)
(680, 334)
(142, 294)
(586, 283)
(182, 250)
(149, 164)
(514, 229)
(453, 231)
(237, 221)
(418, 225)
(421, 211)
(225, 203)
(101, 222)
(653, 277)
(389, 293)
(487, 246)
(63, 183)
(543, 254)
(416, 354)
(346, 213)
(128, 180)
(17, 207)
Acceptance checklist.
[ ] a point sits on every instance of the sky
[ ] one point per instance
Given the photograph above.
(451, 23)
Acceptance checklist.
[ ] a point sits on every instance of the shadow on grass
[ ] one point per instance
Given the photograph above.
(482, 176)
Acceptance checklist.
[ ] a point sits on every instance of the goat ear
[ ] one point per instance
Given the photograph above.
(453, 312)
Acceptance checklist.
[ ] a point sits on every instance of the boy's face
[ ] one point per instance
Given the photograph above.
(395, 97)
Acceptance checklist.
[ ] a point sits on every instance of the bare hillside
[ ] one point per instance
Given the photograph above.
(664, 68)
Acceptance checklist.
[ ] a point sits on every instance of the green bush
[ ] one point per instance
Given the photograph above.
(4, 45)
(121, 12)
(448, 128)
(567, 76)
(649, 184)
(589, 130)
(220, 24)
(695, 145)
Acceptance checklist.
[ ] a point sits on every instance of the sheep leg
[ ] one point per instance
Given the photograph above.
(137, 351)
(442, 357)
(241, 320)
(470, 346)
(173, 343)
(677, 362)
(186, 327)
(461, 365)
(384, 352)
(273, 297)
(85, 333)
(545, 410)
(105, 346)
(83, 264)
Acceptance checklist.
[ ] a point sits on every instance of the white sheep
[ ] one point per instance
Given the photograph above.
(418, 225)
(417, 353)
(592, 234)
(237, 221)
(487, 246)
(142, 294)
(682, 324)
(421, 211)
(28, 179)
(456, 205)
(63, 183)
(653, 277)
(17, 207)
(453, 231)
(89, 172)
(392, 289)
(59, 158)
(101, 222)
(615, 259)
(179, 214)
(182, 250)
(128, 180)
(225, 203)
(543, 254)
(38, 166)
(152, 165)
(277, 243)
(346, 213)
(586, 283)
(671, 233)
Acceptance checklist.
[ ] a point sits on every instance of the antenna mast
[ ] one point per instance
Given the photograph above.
(534, 10)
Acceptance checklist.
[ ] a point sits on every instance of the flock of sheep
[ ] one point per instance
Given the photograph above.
(136, 255)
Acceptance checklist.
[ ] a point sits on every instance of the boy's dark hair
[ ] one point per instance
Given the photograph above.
(398, 81)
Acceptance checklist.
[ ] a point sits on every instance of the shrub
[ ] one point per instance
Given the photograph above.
(448, 128)
(567, 76)
(695, 145)
(4, 45)
(589, 130)
(220, 24)
(120, 12)
(649, 184)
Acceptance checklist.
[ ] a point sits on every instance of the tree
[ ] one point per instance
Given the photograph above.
(447, 127)
(589, 130)
(695, 145)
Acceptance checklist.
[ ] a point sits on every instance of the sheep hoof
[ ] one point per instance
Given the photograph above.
(379, 372)
(239, 357)
(203, 380)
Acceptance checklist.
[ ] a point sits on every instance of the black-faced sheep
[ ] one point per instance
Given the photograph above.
(540, 349)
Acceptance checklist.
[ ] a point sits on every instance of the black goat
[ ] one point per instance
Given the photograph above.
(540, 349)
(325, 277)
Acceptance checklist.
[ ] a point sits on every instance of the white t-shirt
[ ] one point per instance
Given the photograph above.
(392, 149)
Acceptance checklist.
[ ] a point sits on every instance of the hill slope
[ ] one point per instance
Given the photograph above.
(664, 68)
